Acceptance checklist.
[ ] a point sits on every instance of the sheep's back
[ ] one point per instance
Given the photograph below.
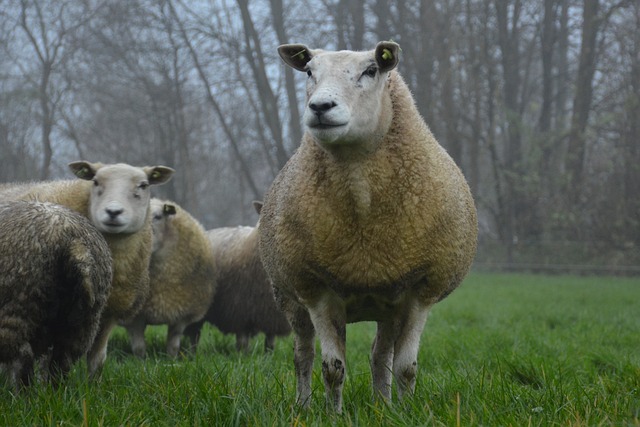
(74, 194)
(244, 302)
(182, 279)
(56, 278)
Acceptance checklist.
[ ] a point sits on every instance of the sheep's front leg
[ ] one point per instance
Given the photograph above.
(193, 332)
(98, 352)
(269, 343)
(242, 343)
(329, 319)
(22, 367)
(57, 365)
(405, 362)
(304, 352)
(382, 359)
(135, 329)
(174, 336)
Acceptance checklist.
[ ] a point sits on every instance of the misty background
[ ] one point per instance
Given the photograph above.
(537, 101)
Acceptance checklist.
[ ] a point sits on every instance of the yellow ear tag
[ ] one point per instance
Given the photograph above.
(299, 55)
(386, 54)
(155, 175)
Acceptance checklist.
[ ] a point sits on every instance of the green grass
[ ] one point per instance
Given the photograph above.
(502, 350)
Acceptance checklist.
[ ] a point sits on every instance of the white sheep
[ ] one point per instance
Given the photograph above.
(244, 303)
(370, 219)
(55, 277)
(181, 274)
(115, 198)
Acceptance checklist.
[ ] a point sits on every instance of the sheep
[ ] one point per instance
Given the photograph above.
(115, 198)
(244, 303)
(55, 278)
(369, 220)
(181, 276)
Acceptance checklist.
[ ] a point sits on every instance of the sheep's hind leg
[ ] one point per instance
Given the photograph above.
(304, 351)
(59, 364)
(98, 352)
(382, 359)
(135, 329)
(193, 332)
(269, 343)
(329, 319)
(174, 336)
(22, 367)
(405, 361)
(242, 343)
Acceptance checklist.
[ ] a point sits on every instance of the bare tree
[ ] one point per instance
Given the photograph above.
(582, 98)
(245, 167)
(199, 86)
(279, 26)
(255, 58)
(48, 27)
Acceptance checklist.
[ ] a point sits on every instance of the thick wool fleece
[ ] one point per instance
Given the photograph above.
(55, 279)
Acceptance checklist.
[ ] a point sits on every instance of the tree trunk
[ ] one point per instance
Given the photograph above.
(295, 129)
(450, 115)
(269, 102)
(631, 151)
(547, 41)
(582, 100)
(46, 121)
(508, 38)
(244, 166)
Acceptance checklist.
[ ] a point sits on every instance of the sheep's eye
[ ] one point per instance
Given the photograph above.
(371, 71)
(157, 217)
(95, 182)
(143, 185)
(309, 73)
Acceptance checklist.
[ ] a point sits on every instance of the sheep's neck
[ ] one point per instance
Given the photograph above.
(360, 190)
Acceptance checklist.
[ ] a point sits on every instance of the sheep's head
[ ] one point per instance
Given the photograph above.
(162, 213)
(120, 194)
(347, 104)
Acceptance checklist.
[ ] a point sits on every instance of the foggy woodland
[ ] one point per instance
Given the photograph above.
(537, 101)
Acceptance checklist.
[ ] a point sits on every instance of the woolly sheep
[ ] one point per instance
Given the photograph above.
(55, 277)
(181, 276)
(244, 303)
(369, 220)
(115, 198)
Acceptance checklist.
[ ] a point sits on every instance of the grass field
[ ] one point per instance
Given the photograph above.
(502, 350)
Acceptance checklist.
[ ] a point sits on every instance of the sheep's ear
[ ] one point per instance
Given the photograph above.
(295, 55)
(168, 209)
(158, 174)
(257, 205)
(84, 170)
(387, 55)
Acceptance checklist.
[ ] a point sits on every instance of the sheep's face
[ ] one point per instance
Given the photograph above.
(347, 103)
(161, 215)
(120, 195)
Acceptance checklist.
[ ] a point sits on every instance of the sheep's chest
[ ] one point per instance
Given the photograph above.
(366, 253)
(366, 222)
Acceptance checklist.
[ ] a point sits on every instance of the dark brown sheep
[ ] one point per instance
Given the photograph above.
(55, 279)
(244, 303)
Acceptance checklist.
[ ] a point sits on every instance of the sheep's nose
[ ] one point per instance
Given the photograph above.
(321, 107)
(114, 212)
